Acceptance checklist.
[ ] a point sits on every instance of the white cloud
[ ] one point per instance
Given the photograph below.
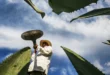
(107, 64)
(11, 38)
(43, 5)
(13, 1)
(53, 69)
(97, 64)
(71, 71)
(107, 1)
(107, 71)
(63, 71)
(94, 32)
(97, 28)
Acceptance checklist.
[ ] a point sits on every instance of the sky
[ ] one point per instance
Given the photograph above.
(83, 36)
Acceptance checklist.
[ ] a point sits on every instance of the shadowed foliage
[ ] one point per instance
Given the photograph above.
(16, 64)
(59, 6)
(96, 12)
(82, 66)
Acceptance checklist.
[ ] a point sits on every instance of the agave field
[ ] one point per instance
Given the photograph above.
(17, 64)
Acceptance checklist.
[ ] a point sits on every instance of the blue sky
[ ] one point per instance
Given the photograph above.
(84, 36)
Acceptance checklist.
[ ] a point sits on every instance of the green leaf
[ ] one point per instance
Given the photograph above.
(35, 8)
(16, 64)
(107, 43)
(96, 12)
(82, 66)
(59, 6)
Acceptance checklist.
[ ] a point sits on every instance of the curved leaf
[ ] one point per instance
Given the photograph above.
(96, 12)
(35, 8)
(59, 6)
(82, 66)
(107, 43)
(16, 64)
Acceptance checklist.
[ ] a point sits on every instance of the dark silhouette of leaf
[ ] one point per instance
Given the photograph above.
(82, 66)
(59, 6)
(35, 8)
(96, 12)
(107, 43)
(16, 64)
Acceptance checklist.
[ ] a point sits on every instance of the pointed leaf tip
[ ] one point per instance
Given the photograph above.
(82, 66)
(95, 12)
(35, 8)
(73, 19)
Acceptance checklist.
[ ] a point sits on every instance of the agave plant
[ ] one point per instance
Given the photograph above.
(107, 43)
(96, 12)
(82, 66)
(59, 6)
(16, 64)
(35, 8)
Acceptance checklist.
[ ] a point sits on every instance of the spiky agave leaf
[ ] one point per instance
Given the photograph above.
(82, 66)
(96, 12)
(16, 64)
(107, 43)
(59, 6)
(35, 8)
